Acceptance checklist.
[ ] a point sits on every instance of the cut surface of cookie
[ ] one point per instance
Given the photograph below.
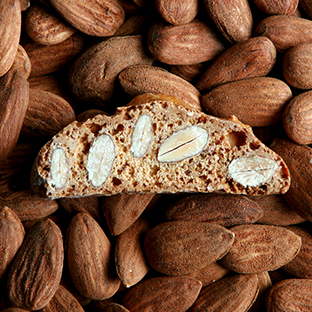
(157, 146)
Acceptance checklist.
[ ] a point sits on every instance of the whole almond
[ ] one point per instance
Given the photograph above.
(164, 293)
(89, 255)
(300, 266)
(190, 73)
(234, 293)
(296, 118)
(46, 115)
(95, 18)
(140, 79)
(176, 45)
(298, 159)
(36, 271)
(44, 26)
(297, 65)
(182, 247)
(115, 307)
(111, 56)
(259, 248)
(290, 295)
(223, 209)
(12, 235)
(285, 31)
(258, 101)
(177, 12)
(130, 260)
(233, 18)
(22, 62)
(10, 30)
(279, 7)
(254, 57)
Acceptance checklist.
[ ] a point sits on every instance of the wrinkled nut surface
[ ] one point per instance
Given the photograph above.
(100, 159)
(252, 171)
(142, 136)
(183, 144)
(59, 168)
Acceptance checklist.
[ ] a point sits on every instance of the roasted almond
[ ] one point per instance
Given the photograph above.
(223, 209)
(259, 248)
(115, 307)
(164, 293)
(182, 247)
(36, 271)
(279, 7)
(258, 101)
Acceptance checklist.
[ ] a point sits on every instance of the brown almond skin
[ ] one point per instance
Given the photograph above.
(297, 157)
(306, 6)
(190, 73)
(285, 31)
(47, 59)
(36, 271)
(92, 271)
(254, 57)
(63, 301)
(12, 234)
(233, 18)
(234, 293)
(259, 248)
(300, 266)
(140, 79)
(290, 295)
(10, 30)
(130, 260)
(94, 18)
(187, 44)
(164, 293)
(45, 26)
(276, 211)
(297, 66)
(177, 12)
(223, 209)
(89, 84)
(46, 115)
(182, 247)
(27, 205)
(258, 101)
(296, 118)
(122, 210)
(115, 307)
(279, 7)
(22, 62)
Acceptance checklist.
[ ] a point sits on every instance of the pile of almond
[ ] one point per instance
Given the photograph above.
(66, 60)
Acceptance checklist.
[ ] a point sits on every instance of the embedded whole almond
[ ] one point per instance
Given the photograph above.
(258, 101)
(279, 7)
(93, 76)
(285, 31)
(12, 235)
(296, 118)
(192, 43)
(234, 293)
(233, 18)
(223, 209)
(47, 114)
(115, 307)
(36, 271)
(22, 62)
(298, 159)
(163, 293)
(90, 258)
(44, 26)
(254, 57)
(259, 248)
(94, 18)
(140, 79)
(182, 247)
(291, 294)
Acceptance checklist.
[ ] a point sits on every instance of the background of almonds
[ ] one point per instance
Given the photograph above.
(62, 60)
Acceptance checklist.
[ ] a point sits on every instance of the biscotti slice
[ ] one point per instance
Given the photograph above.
(157, 146)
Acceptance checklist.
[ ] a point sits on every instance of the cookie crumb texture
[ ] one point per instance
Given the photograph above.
(157, 147)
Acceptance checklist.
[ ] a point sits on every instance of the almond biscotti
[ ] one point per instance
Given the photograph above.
(155, 145)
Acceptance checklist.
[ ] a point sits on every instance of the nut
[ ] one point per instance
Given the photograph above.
(100, 159)
(142, 136)
(59, 168)
(252, 171)
(182, 144)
